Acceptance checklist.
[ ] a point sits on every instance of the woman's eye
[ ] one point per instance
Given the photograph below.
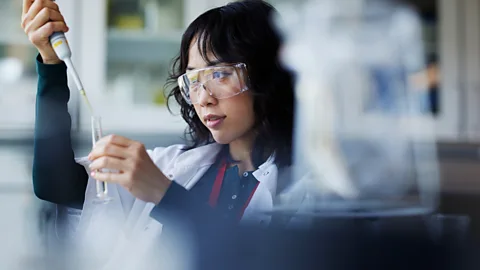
(194, 86)
(221, 74)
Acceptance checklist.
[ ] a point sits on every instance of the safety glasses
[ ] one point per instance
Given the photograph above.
(220, 82)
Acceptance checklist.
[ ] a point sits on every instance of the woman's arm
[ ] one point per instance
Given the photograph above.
(182, 206)
(56, 176)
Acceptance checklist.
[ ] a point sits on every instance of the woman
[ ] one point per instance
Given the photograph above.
(236, 99)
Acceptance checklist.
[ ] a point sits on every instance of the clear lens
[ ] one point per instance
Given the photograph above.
(219, 82)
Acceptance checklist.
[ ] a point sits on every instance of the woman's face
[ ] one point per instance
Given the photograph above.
(227, 119)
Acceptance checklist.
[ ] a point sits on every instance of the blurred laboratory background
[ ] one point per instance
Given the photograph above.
(123, 50)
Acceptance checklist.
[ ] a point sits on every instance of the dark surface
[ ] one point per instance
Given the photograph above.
(460, 181)
(335, 244)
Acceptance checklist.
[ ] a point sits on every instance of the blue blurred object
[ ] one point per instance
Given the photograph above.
(337, 244)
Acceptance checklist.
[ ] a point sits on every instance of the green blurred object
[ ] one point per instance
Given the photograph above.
(125, 14)
(159, 97)
(131, 22)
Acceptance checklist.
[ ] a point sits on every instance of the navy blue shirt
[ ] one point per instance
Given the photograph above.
(235, 191)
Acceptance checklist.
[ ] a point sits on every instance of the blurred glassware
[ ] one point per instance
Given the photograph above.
(102, 187)
(362, 145)
(11, 70)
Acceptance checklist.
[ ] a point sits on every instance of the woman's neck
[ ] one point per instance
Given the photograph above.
(241, 151)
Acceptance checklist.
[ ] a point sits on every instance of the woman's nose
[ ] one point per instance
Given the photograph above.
(205, 97)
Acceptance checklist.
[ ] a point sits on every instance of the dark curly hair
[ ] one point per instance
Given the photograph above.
(243, 31)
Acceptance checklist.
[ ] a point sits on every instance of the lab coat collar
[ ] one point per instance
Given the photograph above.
(264, 170)
(191, 165)
(198, 157)
(206, 155)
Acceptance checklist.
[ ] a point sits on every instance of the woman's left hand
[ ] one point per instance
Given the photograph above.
(136, 171)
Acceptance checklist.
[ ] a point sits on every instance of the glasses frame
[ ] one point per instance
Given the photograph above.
(180, 81)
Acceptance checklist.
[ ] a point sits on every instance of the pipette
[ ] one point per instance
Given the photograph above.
(62, 49)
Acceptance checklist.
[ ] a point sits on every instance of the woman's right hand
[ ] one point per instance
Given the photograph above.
(40, 19)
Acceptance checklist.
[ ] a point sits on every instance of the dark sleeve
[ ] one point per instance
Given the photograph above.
(181, 205)
(56, 176)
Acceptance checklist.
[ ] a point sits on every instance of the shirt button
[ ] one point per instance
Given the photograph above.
(230, 206)
(245, 174)
(265, 173)
(234, 197)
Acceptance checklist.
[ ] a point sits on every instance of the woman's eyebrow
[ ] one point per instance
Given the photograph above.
(210, 64)
(214, 63)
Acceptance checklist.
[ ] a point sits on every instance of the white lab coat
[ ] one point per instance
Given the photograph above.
(125, 223)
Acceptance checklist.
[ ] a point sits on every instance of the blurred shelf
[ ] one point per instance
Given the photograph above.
(143, 35)
(138, 46)
(136, 118)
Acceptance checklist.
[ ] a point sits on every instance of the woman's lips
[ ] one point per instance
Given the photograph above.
(215, 122)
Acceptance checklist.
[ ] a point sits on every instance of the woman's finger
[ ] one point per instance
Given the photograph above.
(36, 8)
(111, 163)
(111, 150)
(110, 177)
(47, 30)
(45, 16)
(117, 140)
(26, 6)
(105, 176)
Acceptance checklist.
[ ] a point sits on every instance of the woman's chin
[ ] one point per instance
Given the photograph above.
(221, 137)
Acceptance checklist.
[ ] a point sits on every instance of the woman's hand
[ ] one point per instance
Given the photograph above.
(137, 172)
(40, 19)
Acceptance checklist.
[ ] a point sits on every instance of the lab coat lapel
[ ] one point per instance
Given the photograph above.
(272, 181)
(192, 165)
(188, 168)
(262, 199)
